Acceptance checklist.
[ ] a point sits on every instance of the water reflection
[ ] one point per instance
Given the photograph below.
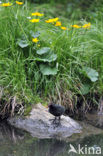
(14, 142)
(9, 134)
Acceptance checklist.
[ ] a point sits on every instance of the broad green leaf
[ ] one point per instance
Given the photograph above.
(91, 74)
(23, 43)
(47, 58)
(47, 70)
(85, 89)
(50, 57)
(43, 50)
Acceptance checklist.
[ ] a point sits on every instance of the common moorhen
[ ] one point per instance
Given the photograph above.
(56, 110)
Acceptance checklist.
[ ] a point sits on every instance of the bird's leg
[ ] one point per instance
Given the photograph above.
(59, 120)
(53, 120)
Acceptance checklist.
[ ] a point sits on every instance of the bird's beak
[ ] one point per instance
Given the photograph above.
(47, 106)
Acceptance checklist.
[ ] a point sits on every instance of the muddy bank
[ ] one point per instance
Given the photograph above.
(94, 119)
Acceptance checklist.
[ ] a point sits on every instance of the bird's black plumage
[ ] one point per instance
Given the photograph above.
(56, 110)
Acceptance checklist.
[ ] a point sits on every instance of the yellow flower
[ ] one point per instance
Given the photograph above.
(34, 20)
(63, 28)
(52, 20)
(6, 4)
(58, 23)
(76, 26)
(49, 21)
(19, 3)
(86, 26)
(35, 40)
(37, 14)
(55, 19)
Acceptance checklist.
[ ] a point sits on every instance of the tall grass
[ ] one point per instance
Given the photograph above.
(76, 50)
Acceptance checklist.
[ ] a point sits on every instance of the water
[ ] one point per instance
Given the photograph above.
(14, 142)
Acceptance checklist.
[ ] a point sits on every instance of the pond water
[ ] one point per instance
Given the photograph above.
(14, 142)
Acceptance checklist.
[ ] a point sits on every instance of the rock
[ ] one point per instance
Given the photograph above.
(38, 124)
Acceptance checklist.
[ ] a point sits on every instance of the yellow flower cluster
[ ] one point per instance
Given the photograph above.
(76, 26)
(85, 26)
(37, 14)
(34, 20)
(35, 40)
(10, 4)
(57, 24)
(19, 3)
(6, 4)
(52, 20)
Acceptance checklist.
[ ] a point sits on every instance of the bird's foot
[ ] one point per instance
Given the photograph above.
(55, 122)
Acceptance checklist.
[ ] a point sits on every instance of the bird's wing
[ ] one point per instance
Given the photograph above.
(59, 109)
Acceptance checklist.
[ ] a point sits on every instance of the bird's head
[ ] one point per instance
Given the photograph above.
(50, 104)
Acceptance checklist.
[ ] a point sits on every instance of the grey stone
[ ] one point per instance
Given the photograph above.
(38, 124)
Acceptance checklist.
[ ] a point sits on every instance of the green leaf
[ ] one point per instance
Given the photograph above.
(43, 50)
(85, 89)
(47, 70)
(47, 55)
(47, 58)
(91, 73)
(22, 43)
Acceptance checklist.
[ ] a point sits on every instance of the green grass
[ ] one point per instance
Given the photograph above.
(77, 50)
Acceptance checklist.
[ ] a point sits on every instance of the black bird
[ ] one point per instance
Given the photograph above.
(56, 110)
